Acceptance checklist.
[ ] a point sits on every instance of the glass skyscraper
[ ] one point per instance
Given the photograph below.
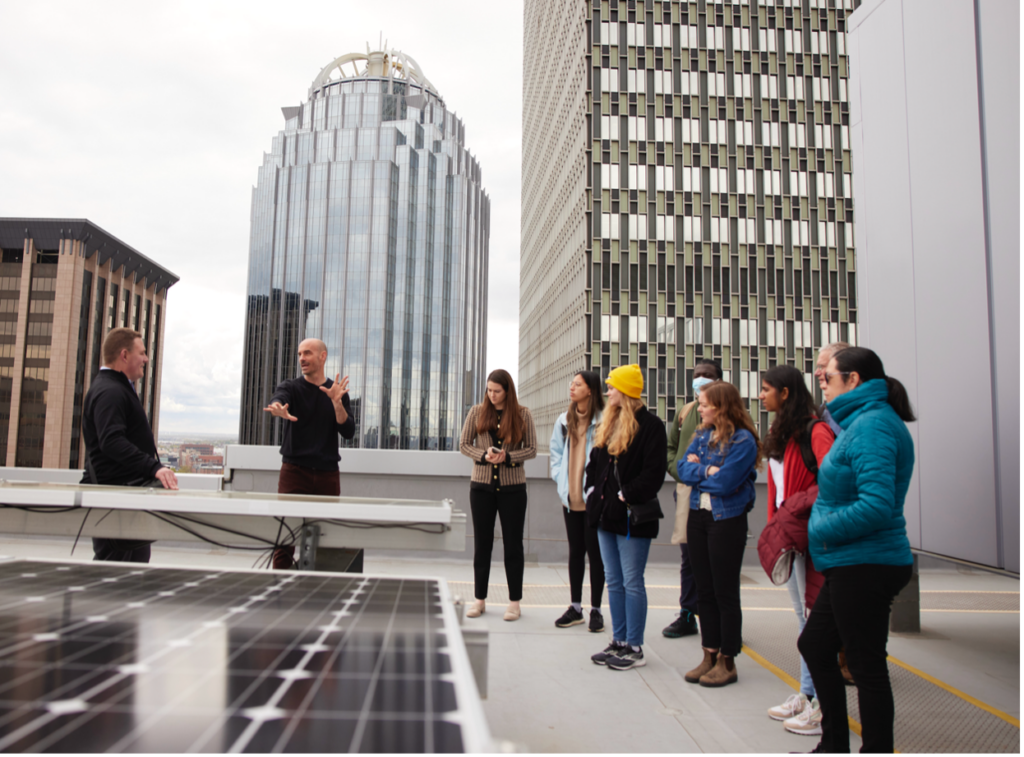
(370, 231)
(700, 152)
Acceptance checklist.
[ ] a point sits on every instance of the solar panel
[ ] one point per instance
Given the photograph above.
(117, 657)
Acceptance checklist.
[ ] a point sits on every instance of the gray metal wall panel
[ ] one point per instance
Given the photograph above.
(951, 283)
(882, 198)
(915, 83)
(1000, 54)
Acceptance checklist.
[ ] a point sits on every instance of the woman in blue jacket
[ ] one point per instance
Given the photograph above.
(571, 442)
(720, 467)
(858, 539)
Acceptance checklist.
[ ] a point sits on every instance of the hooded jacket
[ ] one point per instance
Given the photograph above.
(858, 516)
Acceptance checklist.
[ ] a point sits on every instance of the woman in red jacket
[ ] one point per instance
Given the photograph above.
(784, 393)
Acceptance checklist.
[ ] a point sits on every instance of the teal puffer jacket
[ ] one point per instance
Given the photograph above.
(858, 516)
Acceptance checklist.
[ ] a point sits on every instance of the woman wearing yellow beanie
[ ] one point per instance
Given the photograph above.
(627, 466)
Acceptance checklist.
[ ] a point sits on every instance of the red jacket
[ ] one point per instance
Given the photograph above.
(795, 475)
(787, 532)
(785, 536)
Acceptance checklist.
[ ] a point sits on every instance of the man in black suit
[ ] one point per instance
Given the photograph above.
(120, 449)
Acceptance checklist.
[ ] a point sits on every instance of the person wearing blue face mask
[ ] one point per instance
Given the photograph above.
(687, 419)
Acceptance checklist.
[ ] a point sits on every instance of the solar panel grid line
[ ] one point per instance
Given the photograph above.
(244, 739)
(357, 737)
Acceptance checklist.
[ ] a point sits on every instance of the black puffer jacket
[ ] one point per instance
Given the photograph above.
(641, 471)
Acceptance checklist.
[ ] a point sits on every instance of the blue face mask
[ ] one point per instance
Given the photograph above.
(699, 383)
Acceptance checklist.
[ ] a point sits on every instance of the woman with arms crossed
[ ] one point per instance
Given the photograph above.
(720, 467)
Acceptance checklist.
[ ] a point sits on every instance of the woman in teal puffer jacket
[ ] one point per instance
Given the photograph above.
(858, 540)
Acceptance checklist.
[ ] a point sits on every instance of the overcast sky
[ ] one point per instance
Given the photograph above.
(151, 119)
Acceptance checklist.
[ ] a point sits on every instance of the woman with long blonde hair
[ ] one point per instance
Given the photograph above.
(720, 467)
(626, 469)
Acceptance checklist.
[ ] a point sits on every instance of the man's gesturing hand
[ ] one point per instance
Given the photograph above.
(281, 411)
(166, 477)
(337, 390)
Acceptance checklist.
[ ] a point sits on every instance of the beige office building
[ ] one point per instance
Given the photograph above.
(686, 193)
(64, 283)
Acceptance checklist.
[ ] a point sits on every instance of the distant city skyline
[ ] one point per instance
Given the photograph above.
(171, 160)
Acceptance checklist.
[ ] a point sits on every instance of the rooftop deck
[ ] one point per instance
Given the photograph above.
(956, 684)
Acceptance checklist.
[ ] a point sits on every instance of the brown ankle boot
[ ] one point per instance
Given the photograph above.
(722, 674)
(710, 656)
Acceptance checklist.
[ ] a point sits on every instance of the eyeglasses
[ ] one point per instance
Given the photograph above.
(828, 376)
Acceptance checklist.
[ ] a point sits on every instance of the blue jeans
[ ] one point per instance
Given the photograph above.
(797, 585)
(624, 562)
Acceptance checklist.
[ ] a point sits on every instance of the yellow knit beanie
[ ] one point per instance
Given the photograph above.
(628, 379)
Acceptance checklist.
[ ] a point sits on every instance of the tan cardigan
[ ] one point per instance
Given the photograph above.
(474, 446)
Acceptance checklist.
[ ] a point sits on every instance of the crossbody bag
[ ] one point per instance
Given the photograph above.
(644, 512)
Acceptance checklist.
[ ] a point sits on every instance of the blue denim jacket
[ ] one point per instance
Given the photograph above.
(732, 487)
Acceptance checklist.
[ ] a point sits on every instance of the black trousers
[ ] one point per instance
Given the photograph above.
(510, 507)
(120, 550)
(852, 611)
(716, 556)
(583, 543)
(687, 588)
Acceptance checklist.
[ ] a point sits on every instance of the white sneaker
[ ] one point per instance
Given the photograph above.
(792, 707)
(808, 722)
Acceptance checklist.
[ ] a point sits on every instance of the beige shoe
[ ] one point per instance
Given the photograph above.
(512, 613)
(710, 658)
(476, 610)
(722, 674)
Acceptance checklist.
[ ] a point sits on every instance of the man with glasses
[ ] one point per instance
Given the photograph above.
(824, 356)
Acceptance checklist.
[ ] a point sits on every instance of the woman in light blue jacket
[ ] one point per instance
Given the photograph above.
(571, 442)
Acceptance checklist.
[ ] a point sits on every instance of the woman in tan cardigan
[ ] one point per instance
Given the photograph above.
(499, 437)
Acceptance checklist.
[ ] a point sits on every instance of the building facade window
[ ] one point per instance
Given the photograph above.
(36, 371)
(81, 366)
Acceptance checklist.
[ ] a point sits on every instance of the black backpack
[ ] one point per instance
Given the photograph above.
(806, 451)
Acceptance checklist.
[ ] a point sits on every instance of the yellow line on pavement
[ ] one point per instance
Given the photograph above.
(956, 692)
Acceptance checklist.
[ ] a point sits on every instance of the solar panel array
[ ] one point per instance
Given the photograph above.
(109, 657)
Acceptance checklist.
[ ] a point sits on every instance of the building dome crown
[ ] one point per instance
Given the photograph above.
(382, 64)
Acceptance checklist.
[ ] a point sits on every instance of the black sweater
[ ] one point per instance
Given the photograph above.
(641, 471)
(118, 440)
(312, 440)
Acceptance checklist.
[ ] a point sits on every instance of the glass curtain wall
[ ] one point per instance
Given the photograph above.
(370, 231)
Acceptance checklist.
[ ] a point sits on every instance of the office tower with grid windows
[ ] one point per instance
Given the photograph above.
(370, 231)
(64, 283)
(686, 192)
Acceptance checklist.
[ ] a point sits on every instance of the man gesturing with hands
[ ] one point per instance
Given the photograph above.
(316, 410)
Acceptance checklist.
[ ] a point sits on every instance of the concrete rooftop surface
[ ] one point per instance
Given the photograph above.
(956, 684)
